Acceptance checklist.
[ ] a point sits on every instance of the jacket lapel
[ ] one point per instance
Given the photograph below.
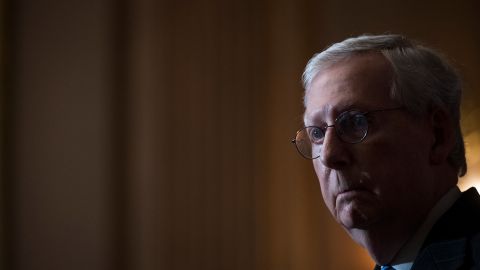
(454, 238)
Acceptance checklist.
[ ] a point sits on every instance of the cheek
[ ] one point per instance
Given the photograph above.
(394, 170)
(323, 176)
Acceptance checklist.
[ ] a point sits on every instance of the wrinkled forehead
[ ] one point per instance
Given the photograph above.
(361, 82)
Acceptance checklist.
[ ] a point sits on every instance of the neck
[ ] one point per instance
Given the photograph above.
(381, 243)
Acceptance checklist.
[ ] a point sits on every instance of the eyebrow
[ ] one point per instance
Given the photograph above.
(316, 116)
(331, 110)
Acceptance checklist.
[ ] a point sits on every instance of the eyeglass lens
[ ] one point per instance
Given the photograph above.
(350, 126)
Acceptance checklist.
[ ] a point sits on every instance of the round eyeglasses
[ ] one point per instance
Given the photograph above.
(350, 126)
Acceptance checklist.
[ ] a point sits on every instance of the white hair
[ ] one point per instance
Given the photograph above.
(423, 79)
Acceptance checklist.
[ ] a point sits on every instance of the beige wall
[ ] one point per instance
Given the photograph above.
(154, 134)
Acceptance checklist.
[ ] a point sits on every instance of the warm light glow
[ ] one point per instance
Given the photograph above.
(469, 181)
(472, 148)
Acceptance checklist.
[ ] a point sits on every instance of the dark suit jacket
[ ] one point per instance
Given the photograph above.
(454, 240)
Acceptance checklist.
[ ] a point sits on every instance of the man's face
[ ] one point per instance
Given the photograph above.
(384, 178)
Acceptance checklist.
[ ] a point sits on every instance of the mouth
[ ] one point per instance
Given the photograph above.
(353, 189)
(350, 186)
(353, 192)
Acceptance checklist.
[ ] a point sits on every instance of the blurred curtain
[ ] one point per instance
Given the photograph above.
(2, 135)
(156, 134)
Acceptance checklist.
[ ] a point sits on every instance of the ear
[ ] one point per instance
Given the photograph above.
(443, 135)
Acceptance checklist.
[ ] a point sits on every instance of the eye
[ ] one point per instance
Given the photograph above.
(358, 122)
(352, 125)
(316, 134)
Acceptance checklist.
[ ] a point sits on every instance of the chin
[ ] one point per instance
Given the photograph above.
(356, 224)
(357, 220)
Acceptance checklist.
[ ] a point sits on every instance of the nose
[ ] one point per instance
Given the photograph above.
(335, 153)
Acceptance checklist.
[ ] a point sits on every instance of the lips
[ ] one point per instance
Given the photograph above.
(348, 185)
(353, 192)
(354, 195)
(349, 190)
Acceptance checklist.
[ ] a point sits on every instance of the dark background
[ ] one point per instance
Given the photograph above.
(155, 134)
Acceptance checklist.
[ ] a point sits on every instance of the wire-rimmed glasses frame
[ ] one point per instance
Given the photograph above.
(350, 126)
